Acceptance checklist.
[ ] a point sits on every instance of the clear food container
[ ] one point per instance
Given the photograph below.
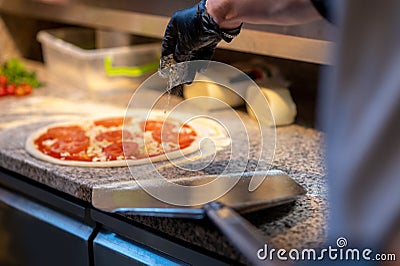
(70, 55)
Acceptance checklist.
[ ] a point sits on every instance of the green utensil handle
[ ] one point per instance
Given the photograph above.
(128, 71)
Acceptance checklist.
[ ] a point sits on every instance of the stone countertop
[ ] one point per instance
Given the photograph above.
(299, 152)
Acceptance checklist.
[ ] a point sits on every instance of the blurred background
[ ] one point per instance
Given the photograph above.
(88, 57)
(298, 52)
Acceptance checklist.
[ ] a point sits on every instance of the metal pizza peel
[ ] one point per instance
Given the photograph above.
(276, 189)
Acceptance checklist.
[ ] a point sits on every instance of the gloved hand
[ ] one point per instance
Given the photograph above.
(192, 34)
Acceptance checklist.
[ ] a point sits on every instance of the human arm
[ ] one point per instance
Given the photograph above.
(230, 13)
(193, 33)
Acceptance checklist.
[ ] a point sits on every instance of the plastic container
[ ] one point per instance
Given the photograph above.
(70, 55)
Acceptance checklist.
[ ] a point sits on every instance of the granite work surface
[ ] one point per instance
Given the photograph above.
(298, 152)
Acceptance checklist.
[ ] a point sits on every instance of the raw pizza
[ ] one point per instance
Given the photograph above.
(114, 141)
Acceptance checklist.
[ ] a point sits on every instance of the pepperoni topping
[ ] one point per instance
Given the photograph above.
(185, 140)
(79, 157)
(74, 143)
(39, 141)
(72, 146)
(64, 132)
(184, 137)
(113, 136)
(153, 125)
(115, 150)
(110, 122)
(165, 136)
(64, 139)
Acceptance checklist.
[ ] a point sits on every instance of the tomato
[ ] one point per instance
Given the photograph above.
(3, 80)
(20, 91)
(110, 122)
(115, 150)
(3, 90)
(72, 146)
(23, 89)
(113, 136)
(28, 89)
(11, 88)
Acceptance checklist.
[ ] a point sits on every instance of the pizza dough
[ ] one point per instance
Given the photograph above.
(139, 134)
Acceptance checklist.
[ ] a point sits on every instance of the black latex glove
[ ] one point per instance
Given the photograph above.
(192, 34)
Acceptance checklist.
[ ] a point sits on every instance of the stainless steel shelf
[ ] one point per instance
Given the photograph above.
(278, 42)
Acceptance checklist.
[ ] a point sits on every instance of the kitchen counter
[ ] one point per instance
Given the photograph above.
(299, 152)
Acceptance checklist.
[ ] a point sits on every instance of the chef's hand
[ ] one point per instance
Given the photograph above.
(192, 34)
